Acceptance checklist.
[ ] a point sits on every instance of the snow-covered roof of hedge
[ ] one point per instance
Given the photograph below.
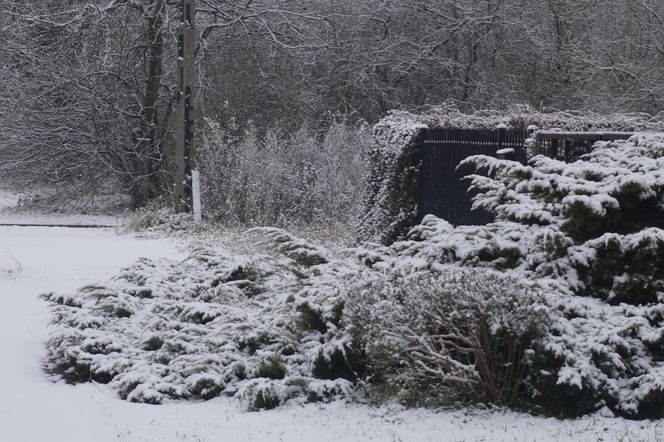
(522, 117)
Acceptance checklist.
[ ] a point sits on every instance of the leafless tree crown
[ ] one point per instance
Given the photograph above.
(88, 86)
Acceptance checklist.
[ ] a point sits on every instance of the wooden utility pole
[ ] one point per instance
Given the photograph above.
(184, 129)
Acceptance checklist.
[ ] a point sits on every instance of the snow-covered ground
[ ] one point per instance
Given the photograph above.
(9, 215)
(33, 408)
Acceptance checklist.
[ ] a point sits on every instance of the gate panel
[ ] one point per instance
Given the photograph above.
(443, 191)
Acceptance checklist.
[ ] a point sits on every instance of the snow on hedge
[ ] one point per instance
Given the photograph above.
(595, 226)
(212, 323)
(308, 324)
(598, 220)
(556, 307)
(524, 117)
(390, 198)
(289, 324)
(392, 190)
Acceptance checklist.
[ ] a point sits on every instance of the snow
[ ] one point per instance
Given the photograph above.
(9, 214)
(506, 151)
(395, 131)
(449, 115)
(33, 408)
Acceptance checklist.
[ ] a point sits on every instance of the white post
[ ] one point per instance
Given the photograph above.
(196, 195)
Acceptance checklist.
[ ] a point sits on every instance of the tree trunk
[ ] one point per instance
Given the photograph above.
(150, 150)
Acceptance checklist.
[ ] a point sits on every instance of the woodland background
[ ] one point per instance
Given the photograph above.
(87, 88)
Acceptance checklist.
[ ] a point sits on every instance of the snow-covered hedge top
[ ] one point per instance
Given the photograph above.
(523, 117)
(395, 131)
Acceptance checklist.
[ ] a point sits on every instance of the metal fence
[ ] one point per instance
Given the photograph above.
(443, 191)
(571, 146)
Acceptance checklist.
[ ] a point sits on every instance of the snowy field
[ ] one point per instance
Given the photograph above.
(33, 408)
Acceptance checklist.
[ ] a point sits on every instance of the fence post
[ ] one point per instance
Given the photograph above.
(196, 195)
(502, 131)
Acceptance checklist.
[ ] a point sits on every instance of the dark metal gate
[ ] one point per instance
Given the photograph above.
(443, 192)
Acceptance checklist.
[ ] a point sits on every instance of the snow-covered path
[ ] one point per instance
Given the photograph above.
(9, 200)
(34, 409)
(32, 261)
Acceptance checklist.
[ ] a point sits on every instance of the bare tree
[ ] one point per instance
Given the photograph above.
(89, 106)
(87, 87)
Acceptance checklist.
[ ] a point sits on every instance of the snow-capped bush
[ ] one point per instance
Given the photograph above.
(595, 227)
(591, 228)
(159, 216)
(447, 334)
(604, 216)
(489, 313)
(299, 322)
(212, 324)
(305, 178)
(595, 355)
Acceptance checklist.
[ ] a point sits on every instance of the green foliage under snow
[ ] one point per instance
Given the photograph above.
(211, 324)
(391, 193)
(555, 308)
